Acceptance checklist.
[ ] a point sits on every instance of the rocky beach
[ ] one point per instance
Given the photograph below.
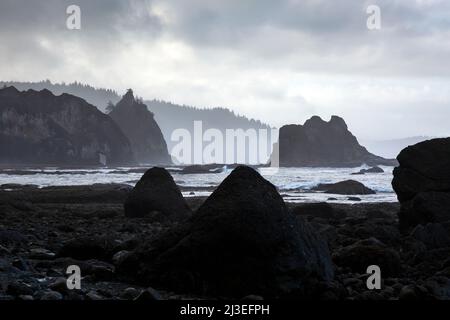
(202, 248)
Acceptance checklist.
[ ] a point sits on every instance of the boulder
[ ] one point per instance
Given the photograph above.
(347, 187)
(423, 167)
(422, 183)
(318, 143)
(148, 294)
(156, 195)
(375, 169)
(241, 241)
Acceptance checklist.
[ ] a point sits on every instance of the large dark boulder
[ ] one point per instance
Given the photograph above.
(347, 187)
(157, 195)
(422, 183)
(241, 241)
(319, 143)
(39, 128)
(423, 167)
(139, 125)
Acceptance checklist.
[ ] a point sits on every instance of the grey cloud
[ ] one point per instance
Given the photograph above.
(332, 33)
(308, 35)
(222, 41)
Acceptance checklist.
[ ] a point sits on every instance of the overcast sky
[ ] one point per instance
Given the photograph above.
(278, 61)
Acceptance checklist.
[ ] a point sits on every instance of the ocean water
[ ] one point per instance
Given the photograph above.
(293, 183)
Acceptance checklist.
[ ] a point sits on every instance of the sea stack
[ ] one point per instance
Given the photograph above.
(39, 128)
(139, 125)
(319, 143)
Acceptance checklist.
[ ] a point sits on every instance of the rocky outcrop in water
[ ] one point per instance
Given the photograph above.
(370, 170)
(318, 143)
(139, 125)
(39, 128)
(347, 187)
(241, 241)
(422, 183)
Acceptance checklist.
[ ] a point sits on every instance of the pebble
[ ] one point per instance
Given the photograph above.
(408, 293)
(130, 293)
(41, 254)
(59, 285)
(51, 295)
(92, 295)
(148, 294)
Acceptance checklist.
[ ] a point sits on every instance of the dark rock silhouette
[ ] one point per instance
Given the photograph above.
(318, 143)
(241, 241)
(370, 170)
(422, 183)
(39, 128)
(139, 125)
(423, 167)
(347, 187)
(196, 169)
(157, 195)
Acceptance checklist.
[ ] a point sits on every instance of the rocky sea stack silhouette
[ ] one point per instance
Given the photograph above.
(319, 143)
(139, 125)
(39, 128)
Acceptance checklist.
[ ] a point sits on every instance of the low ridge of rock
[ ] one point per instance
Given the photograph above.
(347, 187)
(375, 169)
